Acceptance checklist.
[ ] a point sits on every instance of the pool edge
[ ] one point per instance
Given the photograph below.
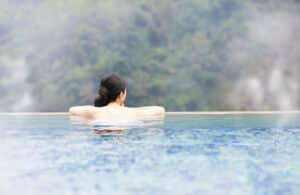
(168, 113)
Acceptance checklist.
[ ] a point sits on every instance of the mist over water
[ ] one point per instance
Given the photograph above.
(25, 29)
(269, 60)
(35, 34)
(46, 32)
(14, 74)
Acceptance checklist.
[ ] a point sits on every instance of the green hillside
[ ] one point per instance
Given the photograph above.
(185, 55)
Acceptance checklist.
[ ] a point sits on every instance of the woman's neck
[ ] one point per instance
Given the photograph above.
(114, 104)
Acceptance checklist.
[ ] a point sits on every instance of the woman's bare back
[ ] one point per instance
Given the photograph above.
(117, 113)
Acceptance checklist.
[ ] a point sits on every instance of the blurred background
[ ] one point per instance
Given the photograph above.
(186, 55)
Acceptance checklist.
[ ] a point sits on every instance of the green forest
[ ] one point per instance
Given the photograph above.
(186, 55)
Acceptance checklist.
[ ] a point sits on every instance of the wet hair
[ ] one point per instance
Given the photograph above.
(110, 88)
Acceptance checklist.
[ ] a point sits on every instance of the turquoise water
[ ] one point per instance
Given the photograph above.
(231, 154)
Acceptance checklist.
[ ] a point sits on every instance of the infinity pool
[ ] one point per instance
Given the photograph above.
(184, 154)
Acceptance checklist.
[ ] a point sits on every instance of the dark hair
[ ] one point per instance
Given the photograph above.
(110, 88)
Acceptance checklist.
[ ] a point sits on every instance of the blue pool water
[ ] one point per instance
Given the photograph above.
(184, 154)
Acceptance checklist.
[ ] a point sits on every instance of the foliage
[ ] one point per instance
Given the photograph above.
(171, 53)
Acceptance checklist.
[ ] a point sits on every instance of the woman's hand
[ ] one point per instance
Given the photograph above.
(82, 111)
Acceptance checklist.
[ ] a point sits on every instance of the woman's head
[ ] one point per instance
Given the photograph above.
(112, 88)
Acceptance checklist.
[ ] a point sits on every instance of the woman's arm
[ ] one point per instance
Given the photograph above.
(82, 111)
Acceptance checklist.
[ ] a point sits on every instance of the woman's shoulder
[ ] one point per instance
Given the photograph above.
(148, 108)
(148, 111)
(107, 112)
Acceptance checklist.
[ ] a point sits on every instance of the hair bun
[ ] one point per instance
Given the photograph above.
(103, 92)
(102, 98)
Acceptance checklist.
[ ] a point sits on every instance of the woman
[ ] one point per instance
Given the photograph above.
(109, 104)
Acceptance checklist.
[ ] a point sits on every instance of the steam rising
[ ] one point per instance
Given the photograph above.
(14, 75)
(47, 30)
(270, 62)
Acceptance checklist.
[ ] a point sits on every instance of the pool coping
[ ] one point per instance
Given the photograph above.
(168, 113)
